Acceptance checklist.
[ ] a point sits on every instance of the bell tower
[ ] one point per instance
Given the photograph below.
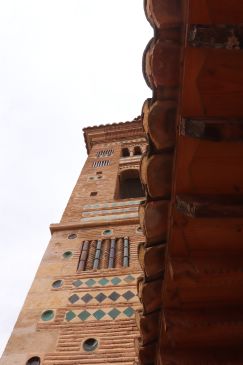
(80, 308)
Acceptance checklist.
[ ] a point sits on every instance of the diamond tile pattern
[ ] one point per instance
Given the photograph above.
(128, 295)
(103, 281)
(129, 278)
(128, 311)
(87, 298)
(84, 315)
(73, 299)
(77, 283)
(100, 297)
(99, 314)
(115, 280)
(70, 315)
(109, 313)
(90, 282)
(114, 313)
(114, 296)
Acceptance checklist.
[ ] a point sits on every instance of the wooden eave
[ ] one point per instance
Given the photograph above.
(191, 290)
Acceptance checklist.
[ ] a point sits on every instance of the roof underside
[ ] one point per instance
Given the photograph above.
(191, 290)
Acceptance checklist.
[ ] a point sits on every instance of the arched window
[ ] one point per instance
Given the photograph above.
(125, 152)
(130, 185)
(137, 150)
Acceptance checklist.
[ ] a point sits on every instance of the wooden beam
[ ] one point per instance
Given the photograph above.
(156, 174)
(152, 260)
(213, 130)
(218, 206)
(148, 326)
(149, 294)
(159, 120)
(154, 220)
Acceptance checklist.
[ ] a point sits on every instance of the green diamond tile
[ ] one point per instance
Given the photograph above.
(90, 282)
(129, 278)
(114, 313)
(84, 315)
(70, 315)
(77, 283)
(115, 281)
(128, 311)
(103, 281)
(99, 314)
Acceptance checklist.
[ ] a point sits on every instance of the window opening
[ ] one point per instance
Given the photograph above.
(97, 255)
(129, 185)
(125, 152)
(72, 236)
(93, 193)
(83, 256)
(101, 163)
(104, 153)
(103, 254)
(137, 151)
(126, 253)
(34, 361)
(90, 344)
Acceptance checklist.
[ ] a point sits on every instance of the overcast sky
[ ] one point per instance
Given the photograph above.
(64, 65)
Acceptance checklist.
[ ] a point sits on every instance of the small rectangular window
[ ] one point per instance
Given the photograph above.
(104, 153)
(101, 163)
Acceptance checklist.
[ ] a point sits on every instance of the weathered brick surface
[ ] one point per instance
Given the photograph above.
(60, 340)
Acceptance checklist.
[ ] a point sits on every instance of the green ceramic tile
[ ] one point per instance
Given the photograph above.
(114, 313)
(90, 282)
(84, 315)
(128, 311)
(99, 314)
(115, 280)
(103, 281)
(70, 315)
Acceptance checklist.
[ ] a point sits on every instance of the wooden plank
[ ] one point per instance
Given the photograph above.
(215, 11)
(205, 236)
(194, 328)
(206, 167)
(214, 206)
(212, 356)
(215, 85)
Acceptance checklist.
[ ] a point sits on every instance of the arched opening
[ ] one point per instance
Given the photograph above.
(137, 150)
(34, 361)
(125, 152)
(130, 185)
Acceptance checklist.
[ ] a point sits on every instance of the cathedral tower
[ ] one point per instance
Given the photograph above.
(80, 308)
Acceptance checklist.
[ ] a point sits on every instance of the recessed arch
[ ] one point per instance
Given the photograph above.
(125, 152)
(129, 185)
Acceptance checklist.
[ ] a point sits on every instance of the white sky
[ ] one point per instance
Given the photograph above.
(64, 65)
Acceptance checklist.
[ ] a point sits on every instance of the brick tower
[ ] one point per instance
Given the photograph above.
(80, 308)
